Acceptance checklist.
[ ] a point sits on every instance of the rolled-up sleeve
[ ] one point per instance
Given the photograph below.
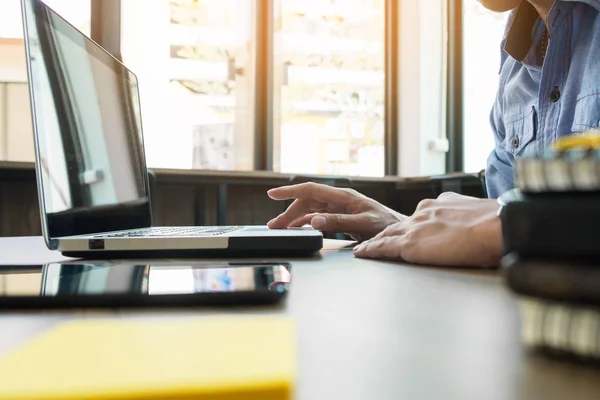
(499, 172)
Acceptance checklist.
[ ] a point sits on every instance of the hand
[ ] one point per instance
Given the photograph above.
(332, 209)
(453, 230)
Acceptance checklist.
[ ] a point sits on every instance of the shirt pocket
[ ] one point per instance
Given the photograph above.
(587, 113)
(520, 132)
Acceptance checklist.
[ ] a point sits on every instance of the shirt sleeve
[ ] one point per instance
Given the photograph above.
(499, 171)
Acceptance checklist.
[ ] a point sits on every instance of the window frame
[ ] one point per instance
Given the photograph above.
(264, 85)
(455, 98)
(106, 25)
(392, 71)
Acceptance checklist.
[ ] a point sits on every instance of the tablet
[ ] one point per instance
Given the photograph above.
(134, 284)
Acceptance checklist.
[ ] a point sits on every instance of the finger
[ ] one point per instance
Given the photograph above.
(387, 248)
(297, 211)
(340, 222)
(289, 192)
(331, 222)
(299, 208)
(303, 220)
(447, 195)
(392, 230)
(453, 196)
(310, 190)
(425, 204)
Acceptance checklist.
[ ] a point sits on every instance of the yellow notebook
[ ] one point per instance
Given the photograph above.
(248, 358)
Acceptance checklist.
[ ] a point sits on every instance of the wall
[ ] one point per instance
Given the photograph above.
(16, 137)
(12, 67)
(16, 140)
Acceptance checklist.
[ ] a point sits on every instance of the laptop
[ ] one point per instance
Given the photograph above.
(91, 170)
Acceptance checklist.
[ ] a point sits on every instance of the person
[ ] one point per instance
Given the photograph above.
(549, 86)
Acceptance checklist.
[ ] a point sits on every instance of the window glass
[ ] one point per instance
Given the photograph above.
(16, 137)
(482, 33)
(329, 87)
(194, 62)
(77, 12)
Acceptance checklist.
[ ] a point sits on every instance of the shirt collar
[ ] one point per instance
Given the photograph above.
(521, 23)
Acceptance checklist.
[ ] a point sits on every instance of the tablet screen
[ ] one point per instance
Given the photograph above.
(137, 283)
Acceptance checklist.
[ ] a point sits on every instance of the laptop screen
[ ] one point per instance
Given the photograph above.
(87, 123)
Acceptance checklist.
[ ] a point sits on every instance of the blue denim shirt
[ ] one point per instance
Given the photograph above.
(535, 105)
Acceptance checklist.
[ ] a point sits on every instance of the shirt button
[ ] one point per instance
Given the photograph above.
(555, 95)
(516, 142)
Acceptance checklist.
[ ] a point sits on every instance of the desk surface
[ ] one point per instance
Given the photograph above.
(377, 330)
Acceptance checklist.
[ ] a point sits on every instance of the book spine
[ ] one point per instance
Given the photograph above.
(553, 280)
(576, 170)
(560, 328)
(550, 229)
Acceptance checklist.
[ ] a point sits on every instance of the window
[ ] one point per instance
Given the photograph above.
(194, 62)
(329, 100)
(16, 138)
(202, 107)
(482, 34)
(76, 12)
(12, 54)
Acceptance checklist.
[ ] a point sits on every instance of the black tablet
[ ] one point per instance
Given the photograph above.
(134, 284)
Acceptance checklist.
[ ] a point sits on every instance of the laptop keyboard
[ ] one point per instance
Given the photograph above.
(173, 231)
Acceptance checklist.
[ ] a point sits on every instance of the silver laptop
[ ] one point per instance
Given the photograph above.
(90, 164)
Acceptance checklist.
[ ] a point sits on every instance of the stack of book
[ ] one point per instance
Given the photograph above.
(551, 229)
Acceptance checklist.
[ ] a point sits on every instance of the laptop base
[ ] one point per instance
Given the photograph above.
(240, 247)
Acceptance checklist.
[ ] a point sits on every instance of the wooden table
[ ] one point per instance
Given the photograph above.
(379, 330)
